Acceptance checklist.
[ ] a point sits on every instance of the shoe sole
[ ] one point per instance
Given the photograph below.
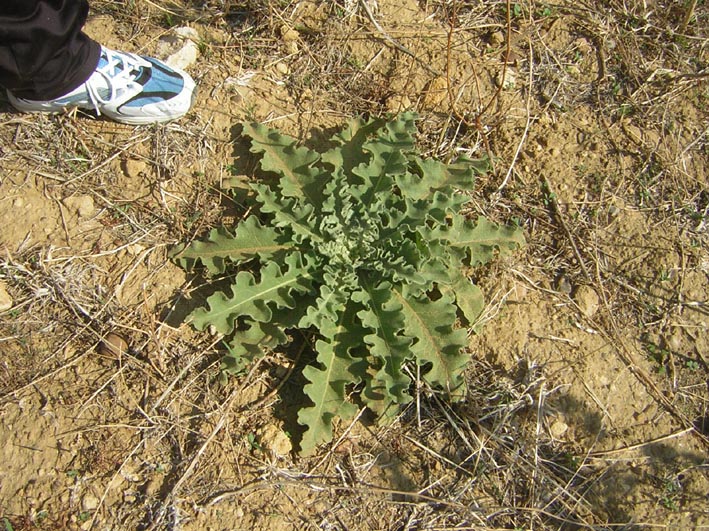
(116, 117)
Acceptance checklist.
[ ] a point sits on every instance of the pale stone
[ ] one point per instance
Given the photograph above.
(133, 168)
(81, 205)
(558, 429)
(587, 300)
(274, 441)
(282, 68)
(179, 48)
(563, 284)
(134, 249)
(398, 103)
(520, 292)
(509, 81)
(89, 502)
(436, 93)
(497, 38)
(292, 47)
(674, 340)
(288, 34)
(6, 301)
(152, 487)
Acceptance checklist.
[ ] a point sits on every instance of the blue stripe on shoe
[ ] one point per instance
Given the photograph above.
(160, 82)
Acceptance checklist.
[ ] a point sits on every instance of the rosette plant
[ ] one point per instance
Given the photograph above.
(364, 244)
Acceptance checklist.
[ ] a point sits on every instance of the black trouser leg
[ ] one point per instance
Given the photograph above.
(43, 52)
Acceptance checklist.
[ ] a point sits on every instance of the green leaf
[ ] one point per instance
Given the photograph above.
(252, 298)
(294, 164)
(288, 213)
(438, 345)
(480, 239)
(399, 134)
(221, 247)
(328, 382)
(330, 303)
(439, 208)
(249, 342)
(384, 317)
(378, 175)
(432, 175)
(467, 295)
(348, 151)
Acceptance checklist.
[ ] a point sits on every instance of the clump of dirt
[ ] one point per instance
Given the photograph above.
(587, 398)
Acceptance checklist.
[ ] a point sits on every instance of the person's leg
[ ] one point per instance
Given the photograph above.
(43, 52)
(48, 65)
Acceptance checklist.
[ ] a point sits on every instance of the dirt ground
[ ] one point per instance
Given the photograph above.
(588, 385)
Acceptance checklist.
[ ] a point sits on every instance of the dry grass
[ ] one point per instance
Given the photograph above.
(158, 443)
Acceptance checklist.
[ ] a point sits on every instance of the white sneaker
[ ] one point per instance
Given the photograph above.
(127, 88)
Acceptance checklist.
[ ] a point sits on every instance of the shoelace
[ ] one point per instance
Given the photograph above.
(128, 70)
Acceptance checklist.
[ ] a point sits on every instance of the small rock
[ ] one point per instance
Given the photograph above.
(398, 103)
(282, 68)
(558, 429)
(290, 39)
(520, 292)
(6, 301)
(151, 487)
(274, 441)
(288, 34)
(634, 132)
(179, 49)
(436, 93)
(674, 340)
(292, 48)
(563, 284)
(18, 203)
(81, 205)
(497, 38)
(652, 137)
(509, 81)
(133, 168)
(587, 300)
(89, 502)
(134, 249)
(113, 345)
